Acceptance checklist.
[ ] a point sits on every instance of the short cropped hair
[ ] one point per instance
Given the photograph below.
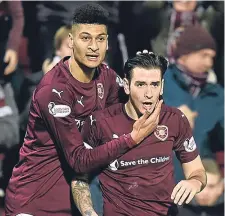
(147, 61)
(60, 35)
(91, 13)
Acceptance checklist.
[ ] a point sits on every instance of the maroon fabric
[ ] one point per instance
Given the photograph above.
(178, 21)
(38, 185)
(15, 10)
(141, 181)
(192, 39)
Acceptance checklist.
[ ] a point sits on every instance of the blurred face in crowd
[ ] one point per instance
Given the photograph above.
(144, 89)
(183, 6)
(212, 191)
(64, 49)
(89, 43)
(198, 62)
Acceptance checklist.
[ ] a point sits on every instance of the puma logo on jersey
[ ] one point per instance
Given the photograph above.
(57, 92)
(80, 101)
(92, 120)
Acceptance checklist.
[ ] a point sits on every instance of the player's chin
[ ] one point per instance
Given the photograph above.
(141, 111)
(149, 109)
(93, 64)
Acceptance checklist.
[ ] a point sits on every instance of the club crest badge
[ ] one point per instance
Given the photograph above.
(161, 132)
(100, 89)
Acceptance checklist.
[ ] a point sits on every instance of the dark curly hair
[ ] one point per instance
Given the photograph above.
(91, 13)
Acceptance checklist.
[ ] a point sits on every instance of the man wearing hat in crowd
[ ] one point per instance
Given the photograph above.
(188, 86)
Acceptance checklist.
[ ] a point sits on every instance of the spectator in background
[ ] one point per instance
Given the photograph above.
(182, 16)
(11, 25)
(61, 46)
(51, 15)
(184, 13)
(143, 16)
(210, 202)
(187, 87)
(9, 129)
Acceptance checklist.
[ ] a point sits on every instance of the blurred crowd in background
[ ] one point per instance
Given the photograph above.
(33, 38)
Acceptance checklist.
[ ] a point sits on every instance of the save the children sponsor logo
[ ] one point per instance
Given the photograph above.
(123, 164)
(59, 110)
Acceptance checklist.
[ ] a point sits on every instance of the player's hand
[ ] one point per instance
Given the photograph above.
(185, 190)
(12, 59)
(191, 115)
(146, 124)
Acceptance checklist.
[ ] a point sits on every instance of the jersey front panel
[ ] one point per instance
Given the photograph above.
(141, 181)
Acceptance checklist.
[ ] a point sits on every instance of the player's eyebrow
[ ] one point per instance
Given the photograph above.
(140, 82)
(155, 83)
(101, 34)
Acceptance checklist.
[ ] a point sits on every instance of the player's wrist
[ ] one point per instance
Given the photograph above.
(197, 182)
(135, 138)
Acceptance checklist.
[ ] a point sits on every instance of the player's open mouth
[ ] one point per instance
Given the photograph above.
(92, 57)
(147, 105)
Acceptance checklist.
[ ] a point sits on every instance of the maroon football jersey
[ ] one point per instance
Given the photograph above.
(59, 107)
(141, 181)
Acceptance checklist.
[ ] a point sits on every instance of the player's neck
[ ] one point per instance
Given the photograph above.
(131, 112)
(79, 72)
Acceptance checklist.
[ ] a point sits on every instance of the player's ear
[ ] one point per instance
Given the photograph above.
(70, 40)
(162, 85)
(126, 86)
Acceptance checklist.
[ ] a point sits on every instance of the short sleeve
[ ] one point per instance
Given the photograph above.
(185, 146)
(116, 87)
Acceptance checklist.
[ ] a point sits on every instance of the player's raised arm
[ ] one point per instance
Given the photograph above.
(58, 114)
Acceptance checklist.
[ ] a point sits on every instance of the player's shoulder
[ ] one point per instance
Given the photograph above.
(109, 112)
(104, 66)
(171, 112)
(173, 118)
(55, 80)
(105, 70)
